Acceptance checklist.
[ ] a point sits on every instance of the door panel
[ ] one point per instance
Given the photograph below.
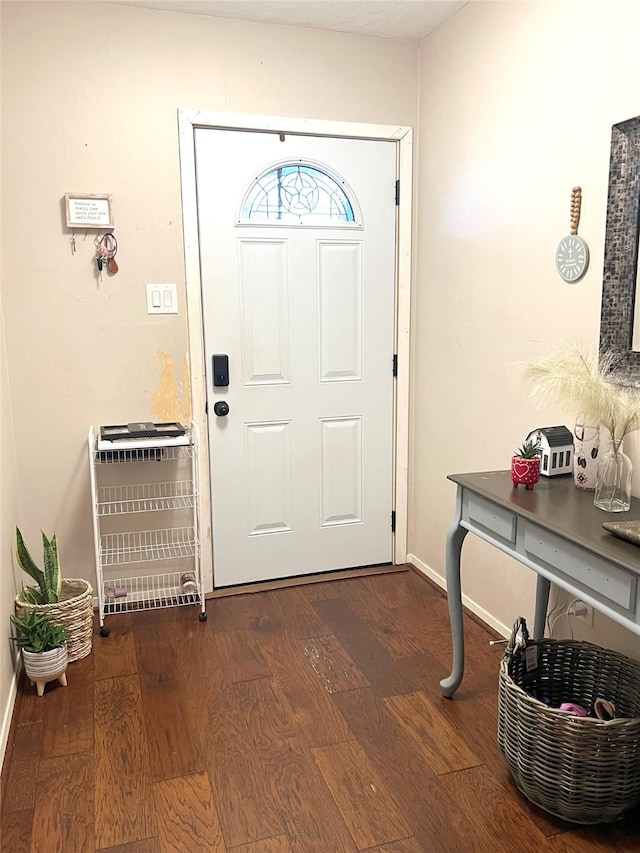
(340, 291)
(341, 470)
(269, 487)
(301, 467)
(264, 311)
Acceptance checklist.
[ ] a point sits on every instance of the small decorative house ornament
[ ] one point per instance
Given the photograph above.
(556, 450)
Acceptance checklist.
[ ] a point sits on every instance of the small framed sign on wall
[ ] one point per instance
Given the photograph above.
(88, 210)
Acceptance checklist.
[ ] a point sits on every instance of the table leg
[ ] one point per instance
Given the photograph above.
(542, 602)
(455, 538)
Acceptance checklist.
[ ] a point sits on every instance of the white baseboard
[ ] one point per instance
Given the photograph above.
(480, 612)
(8, 713)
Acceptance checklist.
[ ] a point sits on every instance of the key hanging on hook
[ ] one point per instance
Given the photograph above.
(100, 256)
(110, 249)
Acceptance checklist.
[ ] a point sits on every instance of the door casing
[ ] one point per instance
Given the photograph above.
(188, 121)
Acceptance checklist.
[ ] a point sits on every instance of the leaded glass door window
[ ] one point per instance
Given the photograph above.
(299, 193)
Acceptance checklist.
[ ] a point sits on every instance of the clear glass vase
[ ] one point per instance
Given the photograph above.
(613, 483)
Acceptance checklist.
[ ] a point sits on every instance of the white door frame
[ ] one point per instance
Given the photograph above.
(188, 121)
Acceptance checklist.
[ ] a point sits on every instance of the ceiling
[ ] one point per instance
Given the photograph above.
(401, 19)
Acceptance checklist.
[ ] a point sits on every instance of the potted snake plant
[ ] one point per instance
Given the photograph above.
(44, 649)
(66, 601)
(50, 580)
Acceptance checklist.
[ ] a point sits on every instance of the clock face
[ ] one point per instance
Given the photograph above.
(572, 258)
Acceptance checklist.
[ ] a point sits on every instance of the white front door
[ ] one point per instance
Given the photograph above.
(297, 252)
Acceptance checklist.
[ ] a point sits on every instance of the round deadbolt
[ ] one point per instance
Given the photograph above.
(221, 409)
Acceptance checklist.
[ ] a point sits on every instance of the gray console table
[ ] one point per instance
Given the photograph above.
(553, 529)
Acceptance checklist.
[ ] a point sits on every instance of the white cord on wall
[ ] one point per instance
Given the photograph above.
(574, 608)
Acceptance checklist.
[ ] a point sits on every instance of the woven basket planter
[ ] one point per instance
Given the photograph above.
(74, 611)
(578, 768)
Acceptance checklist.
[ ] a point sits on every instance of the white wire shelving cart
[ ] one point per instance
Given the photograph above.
(146, 523)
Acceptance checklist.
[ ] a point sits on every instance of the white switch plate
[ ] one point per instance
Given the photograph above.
(162, 299)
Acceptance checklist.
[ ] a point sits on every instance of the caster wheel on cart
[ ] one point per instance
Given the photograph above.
(104, 631)
(203, 617)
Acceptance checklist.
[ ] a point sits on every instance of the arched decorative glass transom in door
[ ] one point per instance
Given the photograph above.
(299, 193)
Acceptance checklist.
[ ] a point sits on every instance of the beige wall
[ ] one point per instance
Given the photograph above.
(87, 113)
(8, 493)
(90, 94)
(516, 106)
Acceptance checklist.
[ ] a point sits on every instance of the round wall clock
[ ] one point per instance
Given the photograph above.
(572, 254)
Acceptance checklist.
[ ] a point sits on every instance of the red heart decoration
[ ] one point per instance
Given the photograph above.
(520, 468)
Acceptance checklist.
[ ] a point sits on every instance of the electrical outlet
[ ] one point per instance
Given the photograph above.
(583, 612)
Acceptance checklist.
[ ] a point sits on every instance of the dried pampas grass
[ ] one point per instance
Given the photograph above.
(573, 377)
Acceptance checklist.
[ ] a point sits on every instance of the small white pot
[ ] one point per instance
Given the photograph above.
(42, 667)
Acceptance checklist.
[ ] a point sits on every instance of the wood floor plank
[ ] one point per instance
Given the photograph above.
(309, 815)
(187, 818)
(116, 654)
(148, 845)
(422, 588)
(359, 641)
(366, 805)
(202, 675)
(298, 616)
(30, 709)
(15, 831)
(267, 845)
(474, 711)
(477, 695)
(493, 821)
(318, 721)
(68, 723)
(254, 611)
(407, 845)
(332, 589)
(172, 617)
(579, 843)
(418, 792)
(443, 747)
(11, 736)
(428, 625)
(124, 809)
(63, 816)
(388, 676)
(241, 793)
(393, 633)
(25, 758)
(621, 836)
(428, 619)
(396, 590)
(240, 656)
(222, 735)
(332, 664)
(173, 747)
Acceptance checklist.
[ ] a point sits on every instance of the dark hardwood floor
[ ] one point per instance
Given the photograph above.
(304, 719)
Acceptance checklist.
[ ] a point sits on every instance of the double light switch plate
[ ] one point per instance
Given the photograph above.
(162, 299)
